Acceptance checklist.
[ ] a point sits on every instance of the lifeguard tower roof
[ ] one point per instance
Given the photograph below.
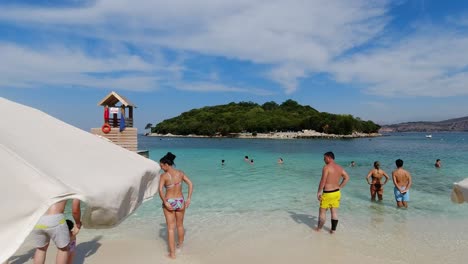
(112, 98)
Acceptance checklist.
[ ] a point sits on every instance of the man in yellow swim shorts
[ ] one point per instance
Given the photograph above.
(328, 192)
(330, 199)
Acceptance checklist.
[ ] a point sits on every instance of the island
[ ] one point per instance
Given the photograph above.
(269, 120)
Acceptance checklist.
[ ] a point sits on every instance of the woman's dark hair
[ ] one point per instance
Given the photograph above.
(168, 159)
(70, 224)
(377, 165)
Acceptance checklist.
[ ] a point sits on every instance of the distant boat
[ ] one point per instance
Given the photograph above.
(429, 136)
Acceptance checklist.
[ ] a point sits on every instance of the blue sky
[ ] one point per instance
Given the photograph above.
(387, 61)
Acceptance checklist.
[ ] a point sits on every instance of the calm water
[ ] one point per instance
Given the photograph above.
(267, 186)
(241, 209)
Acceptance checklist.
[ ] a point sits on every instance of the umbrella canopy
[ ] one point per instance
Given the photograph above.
(44, 160)
(460, 191)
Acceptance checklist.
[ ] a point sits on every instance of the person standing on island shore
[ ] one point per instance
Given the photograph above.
(376, 185)
(52, 225)
(174, 204)
(402, 181)
(328, 192)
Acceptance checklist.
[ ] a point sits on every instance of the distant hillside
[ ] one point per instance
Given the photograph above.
(456, 124)
(254, 118)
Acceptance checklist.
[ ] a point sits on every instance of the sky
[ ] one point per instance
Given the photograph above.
(385, 61)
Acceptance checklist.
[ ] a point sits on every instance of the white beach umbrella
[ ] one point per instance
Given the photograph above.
(460, 191)
(44, 160)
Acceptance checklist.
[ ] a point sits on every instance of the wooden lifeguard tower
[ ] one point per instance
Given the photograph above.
(117, 126)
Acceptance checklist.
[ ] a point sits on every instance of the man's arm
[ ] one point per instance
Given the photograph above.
(395, 181)
(410, 181)
(345, 180)
(323, 180)
(76, 212)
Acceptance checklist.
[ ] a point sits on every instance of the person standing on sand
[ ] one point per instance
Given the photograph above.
(52, 225)
(174, 204)
(328, 192)
(402, 181)
(376, 185)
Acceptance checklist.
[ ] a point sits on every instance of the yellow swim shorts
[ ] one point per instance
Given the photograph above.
(330, 199)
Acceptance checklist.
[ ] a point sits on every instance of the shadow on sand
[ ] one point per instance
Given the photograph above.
(308, 220)
(22, 258)
(83, 250)
(86, 249)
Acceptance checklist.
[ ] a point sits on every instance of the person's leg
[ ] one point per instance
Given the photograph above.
(405, 199)
(372, 192)
(380, 194)
(71, 256)
(404, 204)
(40, 255)
(398, 197)
(322, 218)
(170, 221)
(334, 219)
(180, 227)
(62, 255)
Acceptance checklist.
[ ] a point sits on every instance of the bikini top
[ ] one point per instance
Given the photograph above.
(172, 184)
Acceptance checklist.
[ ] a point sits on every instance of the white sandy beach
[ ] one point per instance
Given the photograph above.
(280, 237)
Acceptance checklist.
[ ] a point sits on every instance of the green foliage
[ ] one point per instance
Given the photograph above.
(255, 118)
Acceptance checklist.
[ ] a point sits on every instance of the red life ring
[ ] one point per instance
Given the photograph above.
(106, 128)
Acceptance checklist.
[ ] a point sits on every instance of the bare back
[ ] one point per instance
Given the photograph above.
(333, 173)
(401, 177)
(173, 183)
(377, 175)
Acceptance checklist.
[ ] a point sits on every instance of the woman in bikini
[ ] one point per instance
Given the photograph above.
(174, 204)
(376, 185)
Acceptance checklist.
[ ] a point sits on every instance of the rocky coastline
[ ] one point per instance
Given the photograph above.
(304, 134)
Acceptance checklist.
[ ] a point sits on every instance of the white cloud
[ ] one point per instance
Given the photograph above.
(294, 37)
(430, 63)
(218, 87)
(59, 66)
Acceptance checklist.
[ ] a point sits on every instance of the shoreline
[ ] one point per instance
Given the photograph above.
(304, 134)
(275, 238)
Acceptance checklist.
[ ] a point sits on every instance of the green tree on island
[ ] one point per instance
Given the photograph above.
(149, 126)
(254, 118)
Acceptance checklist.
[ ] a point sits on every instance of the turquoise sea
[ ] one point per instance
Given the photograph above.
(264, 212)
(267, 186)
(265, 190)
